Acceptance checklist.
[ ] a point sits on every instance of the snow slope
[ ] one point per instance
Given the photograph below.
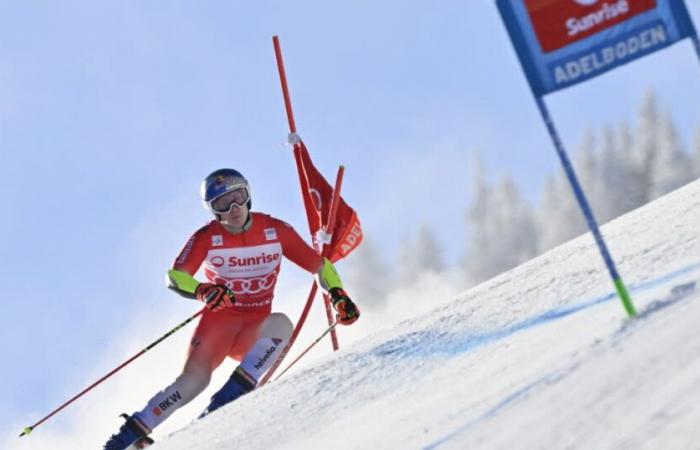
(539, 357)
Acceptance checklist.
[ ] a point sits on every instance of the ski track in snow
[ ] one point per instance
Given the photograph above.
(677, 294)
(539, 357)
(429, 344)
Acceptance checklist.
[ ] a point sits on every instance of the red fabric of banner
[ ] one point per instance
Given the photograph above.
(559, 23)
(317, 194)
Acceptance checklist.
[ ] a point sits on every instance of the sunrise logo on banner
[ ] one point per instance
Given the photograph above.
(564, 42)
(560, 23)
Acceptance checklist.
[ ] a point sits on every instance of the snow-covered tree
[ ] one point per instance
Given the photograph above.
(610, 172)
(558, 217)
(502, 229)
(696, 154)
(671, 167)
(618, 174)
(420, 255)
(646, 141)
(590, 173)
(366, 275)
(585, 162)
(515, 240)
(625, 172)
(477, 222)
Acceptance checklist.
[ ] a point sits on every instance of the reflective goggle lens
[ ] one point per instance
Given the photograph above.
(236, 197)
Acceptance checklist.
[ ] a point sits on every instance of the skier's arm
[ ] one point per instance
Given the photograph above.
(327, 276)
(299, 252)
(193, 253)
(215, 296)
(296, 249)
(329, 280)
(182, 283)
(181, 277)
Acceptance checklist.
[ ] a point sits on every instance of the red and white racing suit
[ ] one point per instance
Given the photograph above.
(248, 263)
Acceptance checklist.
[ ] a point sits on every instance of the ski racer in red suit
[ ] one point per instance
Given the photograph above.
(241, 254)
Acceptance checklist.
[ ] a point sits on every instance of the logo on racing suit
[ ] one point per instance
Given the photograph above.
(263, 258)
(270, 234)
(249, 285)
(217, 240)
(250, 272)
(261, 362)
(186, 250)
(167, 403)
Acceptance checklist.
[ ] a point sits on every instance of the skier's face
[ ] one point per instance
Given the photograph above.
(236, 217)
(234, 198)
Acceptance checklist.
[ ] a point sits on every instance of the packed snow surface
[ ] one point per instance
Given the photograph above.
(541, 357)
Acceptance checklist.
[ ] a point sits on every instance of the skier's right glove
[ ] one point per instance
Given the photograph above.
(347, 311)
(215, 296)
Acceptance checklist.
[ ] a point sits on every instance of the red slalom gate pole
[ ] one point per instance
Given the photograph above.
(293, 337)
(335, 201)
(314, 287)
(283, 80)
(29, 429)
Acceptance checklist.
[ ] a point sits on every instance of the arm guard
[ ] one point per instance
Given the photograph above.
(328, 277)
(182, 282)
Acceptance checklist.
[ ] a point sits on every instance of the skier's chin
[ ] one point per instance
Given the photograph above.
(236, 218)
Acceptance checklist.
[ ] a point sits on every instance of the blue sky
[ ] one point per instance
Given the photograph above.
(112, 112)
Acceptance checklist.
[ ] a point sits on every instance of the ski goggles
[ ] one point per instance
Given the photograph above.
(237, 196)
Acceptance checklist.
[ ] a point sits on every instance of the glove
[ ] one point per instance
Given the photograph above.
(347, 311)
(215, 296)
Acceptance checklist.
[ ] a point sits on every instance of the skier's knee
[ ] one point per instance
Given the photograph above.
(197, 377)
(277, 325)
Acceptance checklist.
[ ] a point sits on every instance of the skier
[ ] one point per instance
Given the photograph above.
(241, 252)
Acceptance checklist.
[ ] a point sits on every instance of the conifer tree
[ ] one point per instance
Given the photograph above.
(366, 274)
(672, 167)
(646, 141)
(420, 255)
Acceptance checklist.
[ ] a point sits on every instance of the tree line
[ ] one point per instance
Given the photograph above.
(620, 168)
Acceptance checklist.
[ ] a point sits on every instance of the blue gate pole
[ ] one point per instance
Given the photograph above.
(620, 287)
(696, 43)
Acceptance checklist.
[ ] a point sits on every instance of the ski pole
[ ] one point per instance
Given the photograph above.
(29, 429)
(328, 330)
(325, 248)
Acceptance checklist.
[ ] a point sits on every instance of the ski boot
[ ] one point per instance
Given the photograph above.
(132, 434)
(238, 384)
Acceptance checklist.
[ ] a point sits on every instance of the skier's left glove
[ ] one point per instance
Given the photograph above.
(347, 311)
(215, 296)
